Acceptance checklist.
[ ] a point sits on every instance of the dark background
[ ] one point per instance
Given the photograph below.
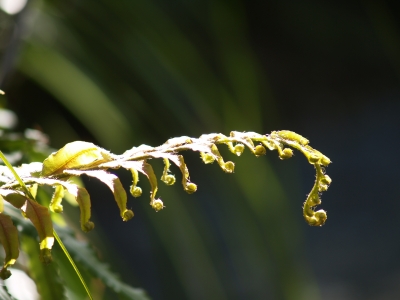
(329, 71)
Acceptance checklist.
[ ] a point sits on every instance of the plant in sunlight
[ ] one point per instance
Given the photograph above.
(19, 185)
(120, 82)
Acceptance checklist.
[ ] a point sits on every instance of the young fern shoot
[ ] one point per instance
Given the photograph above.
(83, 158)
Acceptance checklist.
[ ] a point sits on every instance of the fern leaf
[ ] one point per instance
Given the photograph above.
(74, 155)
(40, 218)
(115, 185)
(9, 240)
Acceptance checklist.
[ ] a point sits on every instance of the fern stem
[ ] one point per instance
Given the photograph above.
(71, 261)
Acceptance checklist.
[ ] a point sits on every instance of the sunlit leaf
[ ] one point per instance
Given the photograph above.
(55, 203)
(9, 240)
(82, 197)
(113, 182)
(1, 204)
(148, 171)
(40, 218)
(188, 186)
(80, 194)
(74, 155)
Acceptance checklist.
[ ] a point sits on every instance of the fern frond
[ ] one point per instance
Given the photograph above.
(82, 158)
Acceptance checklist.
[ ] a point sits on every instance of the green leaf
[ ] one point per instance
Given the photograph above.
(9, 240)
(149, 172)
(40, 218)
(115, 185)
(44, 274)
(79, 193)
(55, 203)
(188, 186)
(16, 198)
(74, 155)
(1, 204)
(83, 199)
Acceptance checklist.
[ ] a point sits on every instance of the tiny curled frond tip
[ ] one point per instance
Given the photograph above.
(322, 181)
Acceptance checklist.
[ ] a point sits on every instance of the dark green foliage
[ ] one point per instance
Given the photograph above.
(86, 258)
(49, 282)
(58, 280)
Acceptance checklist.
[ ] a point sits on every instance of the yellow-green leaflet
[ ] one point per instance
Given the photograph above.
(290, 135)
(83, 199)
(188, 186)
(9, 240)
(115, 185)
(149, 172)
(55, 203)
(1, 204)
(40, 218)
(75, 155)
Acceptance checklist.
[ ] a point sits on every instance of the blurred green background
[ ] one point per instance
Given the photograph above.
(125, 73)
